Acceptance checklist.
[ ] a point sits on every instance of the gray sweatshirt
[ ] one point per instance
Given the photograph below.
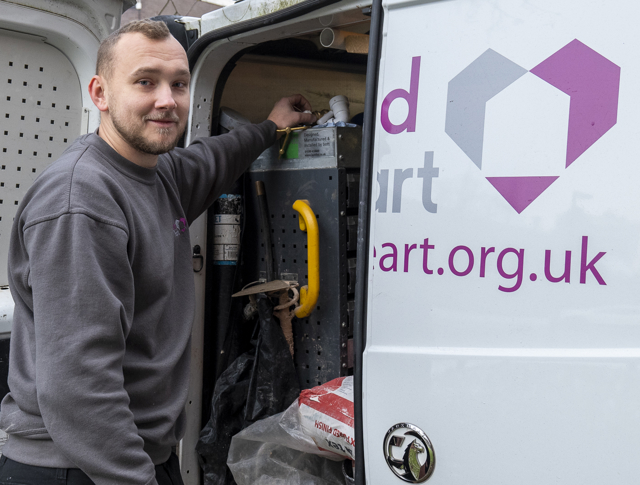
(101, 273)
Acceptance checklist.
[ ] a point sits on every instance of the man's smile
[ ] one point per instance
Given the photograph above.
(163, 123)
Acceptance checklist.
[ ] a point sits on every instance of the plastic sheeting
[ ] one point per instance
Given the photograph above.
(258, 384)
(276, 451)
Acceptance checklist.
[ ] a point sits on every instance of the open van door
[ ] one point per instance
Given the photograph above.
(503, 326)
(48, 55)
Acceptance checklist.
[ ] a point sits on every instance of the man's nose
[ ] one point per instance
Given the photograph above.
(165, 99)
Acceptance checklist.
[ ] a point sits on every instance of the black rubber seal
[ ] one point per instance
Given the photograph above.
(364, 217)
(178, 30)
(283, 15)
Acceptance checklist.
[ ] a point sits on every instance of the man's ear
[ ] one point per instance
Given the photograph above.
(97, 89)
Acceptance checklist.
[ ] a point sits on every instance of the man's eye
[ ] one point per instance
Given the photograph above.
(180, 84)
(144, 83)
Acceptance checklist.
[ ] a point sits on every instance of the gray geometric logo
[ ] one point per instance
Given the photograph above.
(467, 99)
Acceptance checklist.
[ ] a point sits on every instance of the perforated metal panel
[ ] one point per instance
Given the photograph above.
(319, 338)
(328, 179)
(40, 115)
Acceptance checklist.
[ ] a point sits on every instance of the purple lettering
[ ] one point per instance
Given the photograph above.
(469, 265)
(411, 98)
(394, 257)
(518, 272)
(567, 267)
(407, 251)
(509, 270)
(425, 256)
(584, 267)
(484, 252)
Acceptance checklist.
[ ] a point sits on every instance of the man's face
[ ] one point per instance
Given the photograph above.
(148, 92)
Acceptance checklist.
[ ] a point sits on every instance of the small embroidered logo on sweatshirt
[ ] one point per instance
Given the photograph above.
(180, 226)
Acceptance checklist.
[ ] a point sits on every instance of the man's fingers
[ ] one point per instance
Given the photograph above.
(300, 102)
(289, 112)
(306, 119)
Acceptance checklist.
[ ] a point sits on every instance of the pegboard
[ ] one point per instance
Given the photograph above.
(320, 340)
(40, 116)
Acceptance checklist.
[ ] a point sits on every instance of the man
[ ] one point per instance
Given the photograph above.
(102, 278)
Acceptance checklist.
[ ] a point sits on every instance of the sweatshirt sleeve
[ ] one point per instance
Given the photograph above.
(82, 284)
(210, 165)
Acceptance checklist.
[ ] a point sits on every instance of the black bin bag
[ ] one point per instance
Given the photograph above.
(258, 384)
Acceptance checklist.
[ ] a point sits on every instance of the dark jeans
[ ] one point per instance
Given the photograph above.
(14, 473)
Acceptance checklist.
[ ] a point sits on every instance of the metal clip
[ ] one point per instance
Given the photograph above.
(197, 256)
(287, 137)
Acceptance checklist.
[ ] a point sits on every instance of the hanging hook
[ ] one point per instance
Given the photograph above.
(197, 257)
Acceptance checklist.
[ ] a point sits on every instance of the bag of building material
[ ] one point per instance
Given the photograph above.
(289, 448)
(326, 415)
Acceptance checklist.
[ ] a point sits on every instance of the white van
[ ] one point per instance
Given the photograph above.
(486, 307)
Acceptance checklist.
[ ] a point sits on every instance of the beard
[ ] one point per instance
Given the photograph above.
(134, 136)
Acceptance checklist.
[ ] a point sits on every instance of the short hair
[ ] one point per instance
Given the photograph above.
(151, 29)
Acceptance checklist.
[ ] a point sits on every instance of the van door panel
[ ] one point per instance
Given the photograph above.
(502, 310)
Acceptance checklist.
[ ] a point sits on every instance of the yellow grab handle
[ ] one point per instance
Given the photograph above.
(309, 224)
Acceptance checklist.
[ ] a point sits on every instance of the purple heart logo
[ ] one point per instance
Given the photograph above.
(591, 80)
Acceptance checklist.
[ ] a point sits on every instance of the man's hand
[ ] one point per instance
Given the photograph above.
(288, 112)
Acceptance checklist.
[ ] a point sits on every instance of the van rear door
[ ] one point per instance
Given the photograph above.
(502, 315)
(48, 55)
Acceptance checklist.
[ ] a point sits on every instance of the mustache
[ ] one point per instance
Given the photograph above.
(162, 117)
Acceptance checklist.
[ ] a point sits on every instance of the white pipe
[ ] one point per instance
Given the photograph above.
(345, 40)
(340, 107)
(325, 118)
(332, 38)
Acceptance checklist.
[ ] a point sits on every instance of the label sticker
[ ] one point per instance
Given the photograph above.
(227, 219)
(225, 252)
(317, 143)
(226, 234)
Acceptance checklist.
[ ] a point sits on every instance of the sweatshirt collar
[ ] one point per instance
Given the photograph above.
(120, 163)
